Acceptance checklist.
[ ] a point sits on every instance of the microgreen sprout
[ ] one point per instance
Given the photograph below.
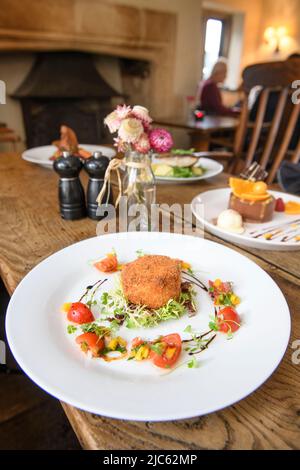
(193, 363)
(197, 344)
(94, 327)
(140, 253)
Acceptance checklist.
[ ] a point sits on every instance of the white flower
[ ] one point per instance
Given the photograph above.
(130, 130)
(141, 113)
(112, 121)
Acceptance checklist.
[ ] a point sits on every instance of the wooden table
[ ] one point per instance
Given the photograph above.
(200, 132)
(31, 229)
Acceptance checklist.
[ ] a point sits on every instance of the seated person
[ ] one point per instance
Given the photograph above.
(208, 94)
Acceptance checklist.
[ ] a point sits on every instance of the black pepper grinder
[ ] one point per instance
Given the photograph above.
(95, 167)
(70, 190)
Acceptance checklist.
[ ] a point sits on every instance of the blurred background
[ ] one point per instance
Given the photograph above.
(152, 55)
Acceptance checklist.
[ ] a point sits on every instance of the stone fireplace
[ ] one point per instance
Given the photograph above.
(129, 33)
(65, 88)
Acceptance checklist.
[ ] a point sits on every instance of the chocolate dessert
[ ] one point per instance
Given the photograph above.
(253, 211)
(250, 196)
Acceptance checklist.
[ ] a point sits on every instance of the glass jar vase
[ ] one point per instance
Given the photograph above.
(139, 188)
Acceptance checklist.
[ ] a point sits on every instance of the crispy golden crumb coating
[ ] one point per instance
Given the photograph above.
(152, 280)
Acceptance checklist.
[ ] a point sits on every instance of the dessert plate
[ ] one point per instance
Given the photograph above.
(215, 201)
(41, 155)
(228, 370)
(212, 168)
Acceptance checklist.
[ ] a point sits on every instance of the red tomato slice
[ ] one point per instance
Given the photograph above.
(108, 264)
(228, 320)
(80, 313)
(170, 351)
(137, 341)
(90, 342)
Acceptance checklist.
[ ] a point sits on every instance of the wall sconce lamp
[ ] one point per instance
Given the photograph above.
(275, 37)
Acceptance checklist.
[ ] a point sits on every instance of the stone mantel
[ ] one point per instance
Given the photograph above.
(99, 27)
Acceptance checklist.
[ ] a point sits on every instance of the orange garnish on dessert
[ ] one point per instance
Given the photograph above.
(292, 208)
(250, 190)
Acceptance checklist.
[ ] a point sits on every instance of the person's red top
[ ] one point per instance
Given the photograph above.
(211, 100)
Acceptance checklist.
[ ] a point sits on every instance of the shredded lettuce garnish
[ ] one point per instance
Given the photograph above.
(117, 308)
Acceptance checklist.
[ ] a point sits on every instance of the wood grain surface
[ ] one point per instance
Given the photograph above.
(32, 229)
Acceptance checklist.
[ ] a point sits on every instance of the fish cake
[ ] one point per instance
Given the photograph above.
(151, 280)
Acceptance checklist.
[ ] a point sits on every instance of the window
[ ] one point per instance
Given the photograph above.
(212, 45)
(217, 32)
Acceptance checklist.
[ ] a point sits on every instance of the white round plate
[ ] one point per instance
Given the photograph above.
(207, 206)
(229, 369)
(212, 167)
(41, 155)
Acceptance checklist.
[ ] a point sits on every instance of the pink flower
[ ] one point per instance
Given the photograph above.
(143, 114)
(130, 130)
(119, 144)
(112, 121)
(123, 111)
(160, 140)
(142, 145)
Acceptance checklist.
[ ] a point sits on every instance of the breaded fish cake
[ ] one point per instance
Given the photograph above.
(152, 280)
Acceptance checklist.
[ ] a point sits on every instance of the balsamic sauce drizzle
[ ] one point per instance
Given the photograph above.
(195, 280)
(202, 348)
(198, 337)
(96, 285)
(189, 278)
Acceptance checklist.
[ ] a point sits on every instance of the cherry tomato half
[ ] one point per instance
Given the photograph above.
(137, 341)
(228, 320)
(80, 313)
(91, 342)
(169, 348)
(108, 264)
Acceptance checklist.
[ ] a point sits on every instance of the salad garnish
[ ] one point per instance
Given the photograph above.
(116, 307)
(222, 293)
(98, 318)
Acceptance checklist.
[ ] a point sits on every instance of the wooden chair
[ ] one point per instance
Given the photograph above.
(266, 142)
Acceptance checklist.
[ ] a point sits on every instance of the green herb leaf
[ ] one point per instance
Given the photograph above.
(193, 363)
(114, 325)
(158, 348)
(213, 326)
(104, 298)
(93, 327)
(188, 329)
(71, 329)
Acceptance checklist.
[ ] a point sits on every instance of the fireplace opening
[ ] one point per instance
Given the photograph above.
(65, 88)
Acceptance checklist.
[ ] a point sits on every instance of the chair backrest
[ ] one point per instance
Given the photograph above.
(267, 136)
(271, 74)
